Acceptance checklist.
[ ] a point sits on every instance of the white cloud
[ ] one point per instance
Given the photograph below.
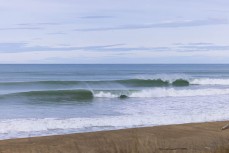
(143, 26)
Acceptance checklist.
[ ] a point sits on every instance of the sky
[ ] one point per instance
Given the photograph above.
(114, 31)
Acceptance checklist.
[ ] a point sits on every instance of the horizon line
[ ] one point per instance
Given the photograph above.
(114, 63)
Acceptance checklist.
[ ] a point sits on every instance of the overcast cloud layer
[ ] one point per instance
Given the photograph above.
(114, 31)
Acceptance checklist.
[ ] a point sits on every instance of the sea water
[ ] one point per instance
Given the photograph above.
(38, 100)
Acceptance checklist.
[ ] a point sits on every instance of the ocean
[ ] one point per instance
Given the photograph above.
(39, 100)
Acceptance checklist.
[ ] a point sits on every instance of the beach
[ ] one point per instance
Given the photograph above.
(187, 138)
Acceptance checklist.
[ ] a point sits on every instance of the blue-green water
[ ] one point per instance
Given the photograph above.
(56, 99)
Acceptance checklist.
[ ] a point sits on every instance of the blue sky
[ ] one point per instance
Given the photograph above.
(114, 31)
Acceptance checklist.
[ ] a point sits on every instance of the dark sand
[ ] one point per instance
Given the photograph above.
(189, 138)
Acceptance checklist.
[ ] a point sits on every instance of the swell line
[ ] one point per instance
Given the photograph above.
(127, 82)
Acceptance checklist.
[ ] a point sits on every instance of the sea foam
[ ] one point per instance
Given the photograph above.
(164, 92)
(17, 128)
(210, 81)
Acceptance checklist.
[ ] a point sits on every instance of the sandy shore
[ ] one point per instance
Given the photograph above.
(201, 137)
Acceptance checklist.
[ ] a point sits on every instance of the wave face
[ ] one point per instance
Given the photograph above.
(53, 95)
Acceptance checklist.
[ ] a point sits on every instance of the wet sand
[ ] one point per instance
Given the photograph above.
(188, 138)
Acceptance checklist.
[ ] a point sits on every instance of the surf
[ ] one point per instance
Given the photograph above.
(84, 95)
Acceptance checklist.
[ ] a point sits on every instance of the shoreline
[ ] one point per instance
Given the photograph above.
(191, 137)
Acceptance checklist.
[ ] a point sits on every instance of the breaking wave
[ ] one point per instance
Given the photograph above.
(82, 95)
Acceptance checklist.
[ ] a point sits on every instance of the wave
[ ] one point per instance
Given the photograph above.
(127, 82)
(84, 95)
(153, 82)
